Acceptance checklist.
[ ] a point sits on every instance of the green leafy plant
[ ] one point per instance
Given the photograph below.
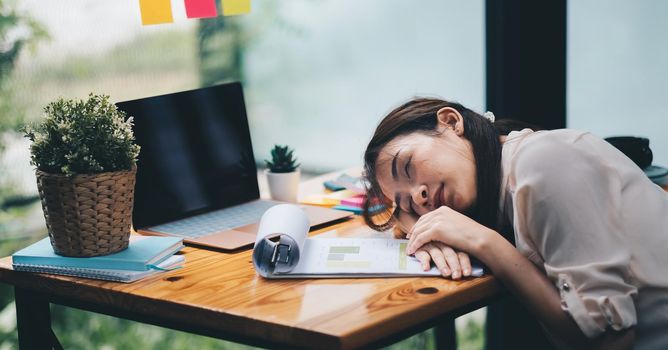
(282, 160)
(82, 137)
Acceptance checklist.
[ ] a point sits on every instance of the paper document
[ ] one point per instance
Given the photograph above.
(296, 256)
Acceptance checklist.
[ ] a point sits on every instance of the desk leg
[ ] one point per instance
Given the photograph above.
(446, 334)
(33, 320)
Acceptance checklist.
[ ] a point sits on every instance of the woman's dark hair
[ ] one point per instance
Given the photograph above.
(419, 115)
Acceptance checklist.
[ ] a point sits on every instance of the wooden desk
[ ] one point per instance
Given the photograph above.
(219, 294)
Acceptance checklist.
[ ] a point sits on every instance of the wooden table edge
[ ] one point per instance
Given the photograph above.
(201, 320)
(486, 288)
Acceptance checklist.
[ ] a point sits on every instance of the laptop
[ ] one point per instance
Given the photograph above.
(196, 174)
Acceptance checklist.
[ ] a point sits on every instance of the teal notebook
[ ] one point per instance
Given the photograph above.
(357, 210)
(143, 253)
(171, 263)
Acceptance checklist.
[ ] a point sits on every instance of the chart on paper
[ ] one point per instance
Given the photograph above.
(358, 256)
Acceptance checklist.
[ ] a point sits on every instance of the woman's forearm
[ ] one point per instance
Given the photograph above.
(519, 275)
(532, 287)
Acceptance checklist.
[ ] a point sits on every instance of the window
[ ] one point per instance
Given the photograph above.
(617, 53)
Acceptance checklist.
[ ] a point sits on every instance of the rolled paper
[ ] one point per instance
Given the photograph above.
(290, 224)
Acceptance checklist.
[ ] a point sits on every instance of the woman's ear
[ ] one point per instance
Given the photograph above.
(449, 118)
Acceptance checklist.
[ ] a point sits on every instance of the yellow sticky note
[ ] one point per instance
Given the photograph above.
(328, 199)
(339, 195)
(156, 11)
(319, 200)
(236, 7)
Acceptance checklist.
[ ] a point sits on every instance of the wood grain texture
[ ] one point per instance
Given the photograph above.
(221, 292)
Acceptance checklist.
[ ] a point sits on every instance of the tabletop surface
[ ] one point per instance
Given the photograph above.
(221, 290)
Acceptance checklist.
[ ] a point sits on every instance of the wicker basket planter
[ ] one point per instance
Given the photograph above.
(88, 214)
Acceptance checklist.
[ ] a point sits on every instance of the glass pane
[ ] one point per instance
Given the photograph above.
(318, 74)
(617, 72)
(325, 76)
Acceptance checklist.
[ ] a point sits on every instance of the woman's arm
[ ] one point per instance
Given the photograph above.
(450, 262)
(517, 273)
(524, 279)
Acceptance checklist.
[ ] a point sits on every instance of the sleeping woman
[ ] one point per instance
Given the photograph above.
(568, 223)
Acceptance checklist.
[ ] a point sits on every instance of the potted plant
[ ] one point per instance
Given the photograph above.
(85, 160)
(283, 174)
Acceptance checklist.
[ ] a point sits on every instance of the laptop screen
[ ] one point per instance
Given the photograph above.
(196, 154)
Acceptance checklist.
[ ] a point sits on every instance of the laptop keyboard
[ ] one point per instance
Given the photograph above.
(215, 221)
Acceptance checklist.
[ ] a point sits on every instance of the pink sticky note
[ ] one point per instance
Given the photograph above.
(356, 201)
(201, 8)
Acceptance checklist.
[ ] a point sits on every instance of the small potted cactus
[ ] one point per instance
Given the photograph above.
(283, 174)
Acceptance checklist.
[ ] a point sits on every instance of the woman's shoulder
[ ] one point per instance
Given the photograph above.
(548, 159)
(551, 148)
(527, 138)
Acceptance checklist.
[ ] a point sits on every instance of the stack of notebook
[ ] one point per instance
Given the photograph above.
(344, 193)
(355, 204)
(145, 255)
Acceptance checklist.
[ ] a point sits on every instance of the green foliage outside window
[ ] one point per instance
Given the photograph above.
(17, 32)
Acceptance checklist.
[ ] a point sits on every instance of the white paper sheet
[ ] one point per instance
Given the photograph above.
(328, 257)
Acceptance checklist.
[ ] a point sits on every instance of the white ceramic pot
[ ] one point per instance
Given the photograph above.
(283, 186)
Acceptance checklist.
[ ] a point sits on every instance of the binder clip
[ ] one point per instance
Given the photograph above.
(281, 254)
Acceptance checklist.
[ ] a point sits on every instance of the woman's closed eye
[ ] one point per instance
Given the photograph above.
(407, 170)
(407, 167)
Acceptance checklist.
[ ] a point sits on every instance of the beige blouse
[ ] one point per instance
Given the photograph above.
(596, 225)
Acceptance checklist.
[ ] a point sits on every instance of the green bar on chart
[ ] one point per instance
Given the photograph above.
(402, 256)
(155, 11)
(344, 250)
(236, 7)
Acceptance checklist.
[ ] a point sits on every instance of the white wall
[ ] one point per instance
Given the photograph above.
(618, 70)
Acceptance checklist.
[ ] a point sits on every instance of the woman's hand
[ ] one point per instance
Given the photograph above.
(450, 227)
(448, 262)
(446, 259)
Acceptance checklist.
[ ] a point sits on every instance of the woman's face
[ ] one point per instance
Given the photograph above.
(421, 172)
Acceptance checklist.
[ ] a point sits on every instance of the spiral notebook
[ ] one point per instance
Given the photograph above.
(169, 264)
